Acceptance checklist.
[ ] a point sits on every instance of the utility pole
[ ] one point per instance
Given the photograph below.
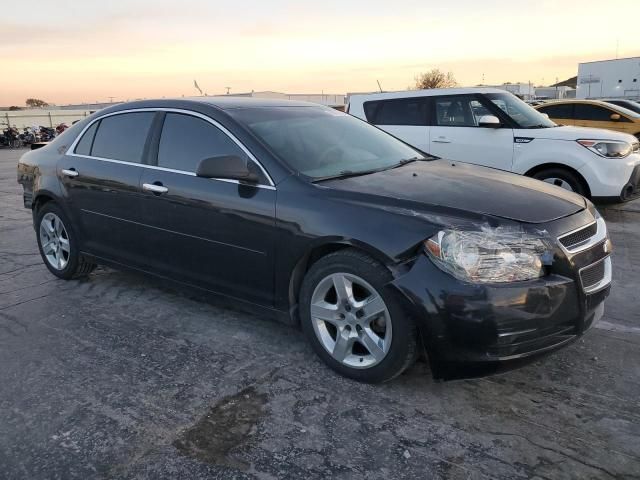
(111, 99)
(228, 89)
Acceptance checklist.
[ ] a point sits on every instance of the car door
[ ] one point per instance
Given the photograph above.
(405, 118)
(599, 116)
(216, 234)
(455, 134)
(100, 177)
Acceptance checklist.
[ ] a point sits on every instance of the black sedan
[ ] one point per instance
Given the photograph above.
(379, 251)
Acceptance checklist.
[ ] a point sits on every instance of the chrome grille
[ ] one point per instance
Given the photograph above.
(579, 236)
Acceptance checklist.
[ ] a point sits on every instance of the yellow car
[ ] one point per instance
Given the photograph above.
(592, 113)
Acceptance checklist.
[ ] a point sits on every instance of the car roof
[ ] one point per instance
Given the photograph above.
(610, 106)
(578, 100)
(222, 103)
(423, 93)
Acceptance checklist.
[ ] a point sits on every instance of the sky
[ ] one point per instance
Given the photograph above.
(72, 51)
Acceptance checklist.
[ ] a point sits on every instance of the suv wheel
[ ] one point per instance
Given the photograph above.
(353, 323)
(58, 245)
(562, 178)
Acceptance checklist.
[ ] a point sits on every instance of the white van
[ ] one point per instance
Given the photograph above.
(494, 128)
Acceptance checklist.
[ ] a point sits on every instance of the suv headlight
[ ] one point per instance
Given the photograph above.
(607, 148)
(490, 255)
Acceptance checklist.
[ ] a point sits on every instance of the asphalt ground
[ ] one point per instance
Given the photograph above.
(117, 376)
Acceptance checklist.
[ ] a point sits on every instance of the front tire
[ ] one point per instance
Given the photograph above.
(353, 321)
(58, 244)
(562, 178)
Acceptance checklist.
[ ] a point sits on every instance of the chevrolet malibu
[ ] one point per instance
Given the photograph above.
(378, 250)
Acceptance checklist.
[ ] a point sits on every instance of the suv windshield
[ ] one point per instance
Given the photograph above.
(322, 143)
(521, 113)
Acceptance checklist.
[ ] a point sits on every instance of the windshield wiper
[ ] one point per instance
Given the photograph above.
(347, 174)
(404, 161)
(351, 173)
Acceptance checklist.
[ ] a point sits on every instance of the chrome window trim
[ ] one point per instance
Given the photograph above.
(171, 170)
(606, 280)
(600, 235)
(70, 150)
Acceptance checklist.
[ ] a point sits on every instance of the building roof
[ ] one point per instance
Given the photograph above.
(611, 60)
(227, 102)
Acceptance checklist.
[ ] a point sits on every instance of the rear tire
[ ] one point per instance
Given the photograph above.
(58, 244)
(563, 178)
(381, 341)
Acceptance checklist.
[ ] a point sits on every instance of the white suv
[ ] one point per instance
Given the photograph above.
(494, 128)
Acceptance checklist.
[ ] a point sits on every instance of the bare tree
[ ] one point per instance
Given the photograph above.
(435, 78)
(35, 102)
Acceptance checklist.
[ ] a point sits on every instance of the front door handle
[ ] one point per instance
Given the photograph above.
(152, 187)
(70, 172)
(440, 140)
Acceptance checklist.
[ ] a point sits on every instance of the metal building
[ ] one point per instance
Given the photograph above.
(609, 78)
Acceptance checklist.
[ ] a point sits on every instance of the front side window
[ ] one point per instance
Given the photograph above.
(523, 115)
(122, 137)
(187, 140)
(594, 113)
(320, 142)
(455, 111)
(400, 111)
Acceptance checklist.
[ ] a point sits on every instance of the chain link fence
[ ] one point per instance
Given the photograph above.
(36, 118)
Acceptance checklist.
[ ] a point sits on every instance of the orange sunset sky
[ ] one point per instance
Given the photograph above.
(85, 51)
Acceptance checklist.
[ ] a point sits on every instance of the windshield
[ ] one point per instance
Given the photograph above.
(626, 104)
(521, 113)
(625, 110)
(322, 142)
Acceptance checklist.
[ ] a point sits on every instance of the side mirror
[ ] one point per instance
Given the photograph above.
(615, 117)
(489, 121)
(229, 167)
(545, 115)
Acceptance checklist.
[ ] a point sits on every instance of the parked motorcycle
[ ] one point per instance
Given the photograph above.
(61, 128)
(47, 134)
(28, 136)
(10, 138)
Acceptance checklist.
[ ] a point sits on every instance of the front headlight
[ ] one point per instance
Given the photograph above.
(490, 255)
(607, 148)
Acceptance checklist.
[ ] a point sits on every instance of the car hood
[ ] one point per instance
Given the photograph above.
(469, 188)
(574, 133)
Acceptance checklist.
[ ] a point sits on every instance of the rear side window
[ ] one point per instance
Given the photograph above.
(187, 140)
(558, 111)
(401, 111)
(584, 111)
(122, 137)
(84, 145)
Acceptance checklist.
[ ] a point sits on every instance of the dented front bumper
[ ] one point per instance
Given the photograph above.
(473, 330)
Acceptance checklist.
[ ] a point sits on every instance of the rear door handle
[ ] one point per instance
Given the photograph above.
(70, 172)
(440, 140)
(151, 187)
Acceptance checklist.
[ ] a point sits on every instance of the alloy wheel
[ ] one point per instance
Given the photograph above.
(559, 182)
(351, 320)
(54, 241)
